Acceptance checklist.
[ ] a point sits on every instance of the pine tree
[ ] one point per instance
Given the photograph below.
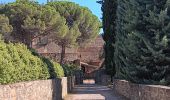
(5, 27)
(147, 43)
(121, 33)
(82, 25)
(31, 20)
(18, 12)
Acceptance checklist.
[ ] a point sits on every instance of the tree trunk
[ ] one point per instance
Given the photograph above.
(62, 54)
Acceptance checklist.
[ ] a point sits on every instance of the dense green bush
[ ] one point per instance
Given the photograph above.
(69, 69)
(18, 64)
(55, 69)
(58, 70)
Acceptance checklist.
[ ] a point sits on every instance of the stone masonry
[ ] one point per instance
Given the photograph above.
(54, 89)
(141, 92)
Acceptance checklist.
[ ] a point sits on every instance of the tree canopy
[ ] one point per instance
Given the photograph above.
(82, 26)
(5, 27)
(65, 23)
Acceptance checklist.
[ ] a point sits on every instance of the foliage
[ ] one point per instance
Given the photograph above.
(78, 18)
(141, 45)
(148, 45)
(81, 25)
(18, 64)
(109, 8)
(5, 28)
(65, 23)
(17, 13)
(30, 20)
(123, 17)
(55, 69)
(69, 69)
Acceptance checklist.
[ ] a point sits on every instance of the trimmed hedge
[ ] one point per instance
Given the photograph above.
(18, 64)
(55, 69)
(69, 69)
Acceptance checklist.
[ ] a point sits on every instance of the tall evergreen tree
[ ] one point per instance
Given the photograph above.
(121, 33)
(147, 43)
(109, 8)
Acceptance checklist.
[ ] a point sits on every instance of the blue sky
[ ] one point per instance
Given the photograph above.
(91, 4)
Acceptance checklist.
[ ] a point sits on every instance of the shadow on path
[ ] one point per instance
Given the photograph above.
(93, 92)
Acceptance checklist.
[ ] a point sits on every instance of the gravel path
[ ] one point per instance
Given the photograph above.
(93, 92)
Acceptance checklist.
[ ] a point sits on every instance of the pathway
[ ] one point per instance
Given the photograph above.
(93, 92)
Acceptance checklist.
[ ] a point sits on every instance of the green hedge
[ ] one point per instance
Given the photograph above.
(18, 64)
(55, 69)
(69, 69)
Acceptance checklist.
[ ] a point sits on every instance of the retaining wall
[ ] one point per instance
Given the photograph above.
(54, 89)
(141, 92)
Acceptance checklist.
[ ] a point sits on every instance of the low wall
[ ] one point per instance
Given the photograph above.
(141, 92)
(70, 83)
(54, 89)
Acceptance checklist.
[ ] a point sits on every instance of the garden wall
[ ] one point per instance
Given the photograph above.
(70, 83)
(54, 89)
(141, 92)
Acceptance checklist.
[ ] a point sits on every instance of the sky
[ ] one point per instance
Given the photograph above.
(91, 4)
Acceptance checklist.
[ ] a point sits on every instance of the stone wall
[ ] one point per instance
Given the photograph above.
(141, 92)
(57, 56)
(70, 83)
(87, 53)
(54, 89)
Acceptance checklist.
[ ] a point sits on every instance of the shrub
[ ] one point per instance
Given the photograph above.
(54, 68)
(69, 69)
(58, 70)
(18, 64)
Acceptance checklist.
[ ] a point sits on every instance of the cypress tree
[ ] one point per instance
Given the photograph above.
(121, 33)
(109, 8)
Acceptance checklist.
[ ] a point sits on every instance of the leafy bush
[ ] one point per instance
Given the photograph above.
(69, 69)
(18, 64)
(54, 68)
